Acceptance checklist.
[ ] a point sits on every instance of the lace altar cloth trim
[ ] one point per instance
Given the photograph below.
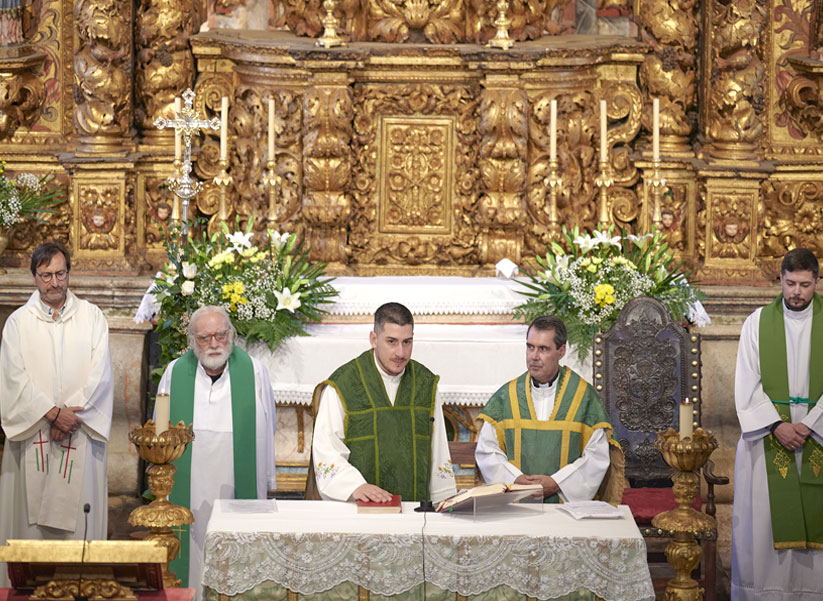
(427, 295)
(386, 563)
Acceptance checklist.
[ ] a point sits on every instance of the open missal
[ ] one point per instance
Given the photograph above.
(597, 510)
(489, 495)
(392, 506)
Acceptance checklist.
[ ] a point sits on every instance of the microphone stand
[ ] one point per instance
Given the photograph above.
(80, 596)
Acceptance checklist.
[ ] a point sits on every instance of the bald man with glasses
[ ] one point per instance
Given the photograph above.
(56, 393)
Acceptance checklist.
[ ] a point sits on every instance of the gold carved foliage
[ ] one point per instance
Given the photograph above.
(102, 65)
(423, 119)
(100, 227)
(158, 210)
(165, 65)
(21, 93)
(731, 219)
(440, 21)
(737, 91)
(791, 216)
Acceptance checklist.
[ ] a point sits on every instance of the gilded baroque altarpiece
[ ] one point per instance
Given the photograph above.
(416, 149)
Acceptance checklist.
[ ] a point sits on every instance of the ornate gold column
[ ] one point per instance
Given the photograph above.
(327, 165)
(504, 128)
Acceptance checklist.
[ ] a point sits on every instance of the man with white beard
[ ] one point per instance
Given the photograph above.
(227, 396)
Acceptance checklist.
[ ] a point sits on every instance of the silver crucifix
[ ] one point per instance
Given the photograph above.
(189, 125)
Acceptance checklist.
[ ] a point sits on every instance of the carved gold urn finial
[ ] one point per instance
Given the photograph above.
(161, 515)
(329, 39)
(501, 39)
(685, 456)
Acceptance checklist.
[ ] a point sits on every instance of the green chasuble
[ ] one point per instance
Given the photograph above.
(544, 446)
(795, 501)
(244, 432)
(390, 444)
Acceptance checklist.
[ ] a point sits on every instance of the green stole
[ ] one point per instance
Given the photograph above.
(244, 432)
(390, 445)
(544, 446)
(795, 502)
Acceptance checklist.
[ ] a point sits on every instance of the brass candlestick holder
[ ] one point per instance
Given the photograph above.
(685, 457)
(330, 38)
(656, 183)
(223, 181)
(554, 182)
(603, 181)
(272, 181)
(501, 39)
(161, 515)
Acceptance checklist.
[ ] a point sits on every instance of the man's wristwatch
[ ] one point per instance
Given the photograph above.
(773, 427)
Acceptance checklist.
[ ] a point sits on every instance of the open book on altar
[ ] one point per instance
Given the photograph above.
(490, 495)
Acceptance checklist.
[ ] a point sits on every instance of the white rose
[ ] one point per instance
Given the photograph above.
(189, 269)
(187, 288)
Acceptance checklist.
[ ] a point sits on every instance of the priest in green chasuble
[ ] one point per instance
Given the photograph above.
(379, 427)
(227, 396)
(777, 528)
(548, 426)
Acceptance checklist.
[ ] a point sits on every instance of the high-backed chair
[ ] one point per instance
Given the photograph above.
(644, 366)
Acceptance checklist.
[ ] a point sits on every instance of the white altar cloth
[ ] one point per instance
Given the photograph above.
(311, 546)
(473, 361)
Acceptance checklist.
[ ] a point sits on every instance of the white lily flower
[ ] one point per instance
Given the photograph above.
(239, 240)
(278, 240)
(561, 262)
(604, 239)
(187, 288)
(698, 315)
(638, 239)
(286, 300)
(586, 243)
(189, 270)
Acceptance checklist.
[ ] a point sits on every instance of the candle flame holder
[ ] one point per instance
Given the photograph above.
(656, 183)
(272, 181)
(501, 39)
(223, 180)
(330, 38)
(161, 515)
(604, 181)
(554, 182)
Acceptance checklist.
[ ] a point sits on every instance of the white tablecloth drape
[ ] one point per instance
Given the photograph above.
(312, 546)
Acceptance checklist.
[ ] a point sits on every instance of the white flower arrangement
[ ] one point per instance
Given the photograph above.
(588, 285)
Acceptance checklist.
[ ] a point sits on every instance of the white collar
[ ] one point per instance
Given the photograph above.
(804, 314)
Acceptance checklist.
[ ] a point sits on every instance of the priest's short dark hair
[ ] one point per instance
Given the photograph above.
(392, 313)
(44, 253)
(553, 323)
(800, 259)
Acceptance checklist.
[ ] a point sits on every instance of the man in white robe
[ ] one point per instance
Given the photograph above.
(56, 394)
(575, 480)
(336, 477)
(212, 460)
(760, 572)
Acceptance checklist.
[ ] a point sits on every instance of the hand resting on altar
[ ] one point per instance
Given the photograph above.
(550, 487)
(371, 492)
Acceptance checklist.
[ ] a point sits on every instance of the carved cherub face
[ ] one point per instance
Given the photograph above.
(667, 219)
(731, 227)
(98, 219)
(163, 211)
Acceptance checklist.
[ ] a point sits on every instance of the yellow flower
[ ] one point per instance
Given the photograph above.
(226, 290)
(239, 288)
(597, 260)
(604, 294)
(620, 260)
(592, 268)
(235, 298)
(585, 262)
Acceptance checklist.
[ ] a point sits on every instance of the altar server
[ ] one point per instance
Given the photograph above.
(379, 427)
(56, 392)
(548, 426)
(227, 396)
(777, 528)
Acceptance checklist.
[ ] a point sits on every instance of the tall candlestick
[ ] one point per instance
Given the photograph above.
(686, 418)
(224, 119)
(178, 133)
(603, 156)
(271, 129)
(656, 130)
(162, 411)
(553, 131)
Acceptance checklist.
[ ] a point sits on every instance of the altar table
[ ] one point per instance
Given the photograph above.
(310, 547)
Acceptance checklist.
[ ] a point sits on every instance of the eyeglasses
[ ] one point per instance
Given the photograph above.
(60, 276)
(218, 336)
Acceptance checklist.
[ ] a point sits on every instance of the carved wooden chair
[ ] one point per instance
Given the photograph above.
(643, 367)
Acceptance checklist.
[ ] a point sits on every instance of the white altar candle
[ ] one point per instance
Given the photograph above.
(178, 133)
(656, 129)
(224, 119)
(271, 129)
(553, 131)
(603, 156)
(162, 410)
(686, 418)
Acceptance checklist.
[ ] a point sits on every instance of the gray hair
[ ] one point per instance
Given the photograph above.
(206, 310)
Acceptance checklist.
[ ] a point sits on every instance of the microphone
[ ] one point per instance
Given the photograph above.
(80, 596)
(427, 505)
